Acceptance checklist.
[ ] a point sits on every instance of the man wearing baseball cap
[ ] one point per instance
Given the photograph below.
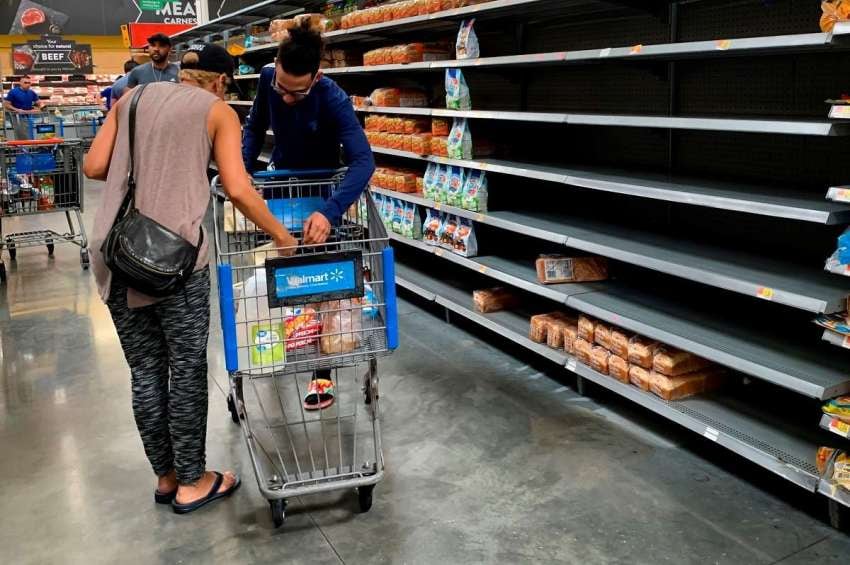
(165, 339)
(159, 69)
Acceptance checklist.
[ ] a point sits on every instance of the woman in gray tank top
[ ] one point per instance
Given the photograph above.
(179, 127)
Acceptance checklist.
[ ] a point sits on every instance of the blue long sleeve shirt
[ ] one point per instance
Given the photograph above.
(308, 135)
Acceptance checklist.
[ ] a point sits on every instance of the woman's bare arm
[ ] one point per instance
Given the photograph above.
(96, 163)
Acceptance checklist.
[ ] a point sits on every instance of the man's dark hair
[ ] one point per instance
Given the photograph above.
(301, 52)
(160, 38)
(129, 65)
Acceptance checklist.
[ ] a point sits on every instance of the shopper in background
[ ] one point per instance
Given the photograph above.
(21, 101)
(311, 117)
(165, 340)
(118, 87)
(159, 69)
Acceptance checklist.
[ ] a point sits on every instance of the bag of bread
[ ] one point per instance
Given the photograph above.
(674, 362)
(341, 326)
(620, 342)
(642, 351)
(431, 227)
(602, 336)
(599, 359)
(582, 350)
(441, 127)
(465, 243)
(421, 143)
(570, 336)
(494, 299)
(466, 46)
(834, 11)
(457, 92)
(475, 193)
(420, 185)
(438, 146)
(639, 377)
(618, 368)
(682, 386)
(586, 328)
(557, 323)
(538, 327)
(459, 145)
(556, 269)
(454, 193)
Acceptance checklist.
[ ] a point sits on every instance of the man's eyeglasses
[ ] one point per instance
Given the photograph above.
(296, 94)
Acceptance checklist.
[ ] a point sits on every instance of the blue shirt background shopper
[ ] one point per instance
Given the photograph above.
(311, 116)
(19, 102)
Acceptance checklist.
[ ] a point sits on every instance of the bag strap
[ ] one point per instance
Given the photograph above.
(131, 176)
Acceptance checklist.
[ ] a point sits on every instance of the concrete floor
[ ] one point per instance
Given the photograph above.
(490, 460)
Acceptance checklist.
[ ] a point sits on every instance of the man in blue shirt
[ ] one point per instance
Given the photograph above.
(114, 92)
(311, 117)
(21, 101)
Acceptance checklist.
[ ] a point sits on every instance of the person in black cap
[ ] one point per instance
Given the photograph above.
(165, 340)
(159, 69)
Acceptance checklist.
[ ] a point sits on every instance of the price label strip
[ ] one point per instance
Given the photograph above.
(711, 433)
(839, 427)
(765, 293)
(571, 364)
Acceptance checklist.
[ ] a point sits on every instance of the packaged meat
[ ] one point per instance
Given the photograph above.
(459, 145)
(602, 336)
(465, 243)
(599, 359)
(421, 143)
(620, 342)
(446, 235)
(454, 194)
(457, 92)
(639, 377)
(341, 326)
(682, 386)
(582, 350)
(494, 299)
(642, 351)
(441, 126)
(430, 180)
(570, 336)
(674, 362)
(475, 192)
(586, 328)
(431, 227)
(466, 46)
(556, 269)
(618, 368)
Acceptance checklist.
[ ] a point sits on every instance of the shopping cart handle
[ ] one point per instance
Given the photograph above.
(51, 141)
(280, 173)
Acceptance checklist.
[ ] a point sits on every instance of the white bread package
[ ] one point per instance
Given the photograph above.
(556, 269)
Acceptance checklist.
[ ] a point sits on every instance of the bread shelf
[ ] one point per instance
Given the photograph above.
(255, 14)
(751, 199)
(745, 347)
(744, 273)
(759, 437)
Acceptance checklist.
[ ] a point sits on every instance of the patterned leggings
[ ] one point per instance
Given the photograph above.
(169, 339)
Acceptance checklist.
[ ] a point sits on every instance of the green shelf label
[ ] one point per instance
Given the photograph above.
(152, 5)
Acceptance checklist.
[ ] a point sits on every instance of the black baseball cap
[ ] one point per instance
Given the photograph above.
(160, 38)
(207, 57)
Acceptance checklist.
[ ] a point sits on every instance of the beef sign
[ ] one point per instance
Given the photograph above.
(52, 54)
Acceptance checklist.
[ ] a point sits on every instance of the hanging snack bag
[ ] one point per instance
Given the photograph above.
(467, 42)
(457, 92)
(431, 227)
(447, 231)
(388, 213)
(454, 193)
(429, 180)
(460, 140)
(465, 243)
(475, 192)
(398, 215)
(410, 225)
(441, 189)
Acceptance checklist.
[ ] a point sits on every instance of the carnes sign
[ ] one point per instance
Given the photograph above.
(175, 12)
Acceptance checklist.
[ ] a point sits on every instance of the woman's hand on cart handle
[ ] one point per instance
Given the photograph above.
(286, 245)
(317, 228)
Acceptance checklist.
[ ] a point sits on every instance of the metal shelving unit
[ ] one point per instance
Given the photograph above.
(835, 338)
(748, 198)
(255, 14)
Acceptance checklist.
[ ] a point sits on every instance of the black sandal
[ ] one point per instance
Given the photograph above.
(164, 497)
(211, 496)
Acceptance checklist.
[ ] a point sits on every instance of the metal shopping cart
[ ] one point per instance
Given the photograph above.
(41, 177)
(302, 335)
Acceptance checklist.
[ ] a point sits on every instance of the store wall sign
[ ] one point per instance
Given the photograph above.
(174, 12)
(52, 54)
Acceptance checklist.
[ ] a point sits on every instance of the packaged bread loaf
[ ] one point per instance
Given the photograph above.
(639, 377)
(602, 336)
(618, 368)
(641, 351)
(674, 388)
(599, 359)
(556, 269)
(674, 362)
(586, 328)
(620, 342)
(582, 350)
(493, 299)
(539, 326)
(555, 332)
(570, 336)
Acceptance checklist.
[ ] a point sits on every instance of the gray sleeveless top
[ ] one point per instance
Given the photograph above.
(172, 155)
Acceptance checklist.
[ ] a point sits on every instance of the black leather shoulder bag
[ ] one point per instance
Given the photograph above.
(142, 253)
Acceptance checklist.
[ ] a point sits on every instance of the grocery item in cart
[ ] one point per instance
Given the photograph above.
(639, 377)
(465, 243)
(454, 192)
(599, 359)
(475, 194)
(235, 221)
(682, 386)
(459, 145)
(466, 46)
(431, 227)
(301, 327)
(457, 92)
(586, 328)
(266, 344)
(674, 362)
(557, 269)
(341, 326)
(834, 11)
(494, 299)
(618, 368)
(642, 351)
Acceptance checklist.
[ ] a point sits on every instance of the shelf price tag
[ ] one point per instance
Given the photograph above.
(840, 111)
(605, 52)
(711, 433)
(438, 251)
(636, 49)
(724, 44)
(480, 218)
(482, 269)
(839, 427)
(764, 292)
(571, 364)
(438, 206)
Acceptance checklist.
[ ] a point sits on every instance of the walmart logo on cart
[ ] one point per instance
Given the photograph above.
(301, 280)
(295, 281)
